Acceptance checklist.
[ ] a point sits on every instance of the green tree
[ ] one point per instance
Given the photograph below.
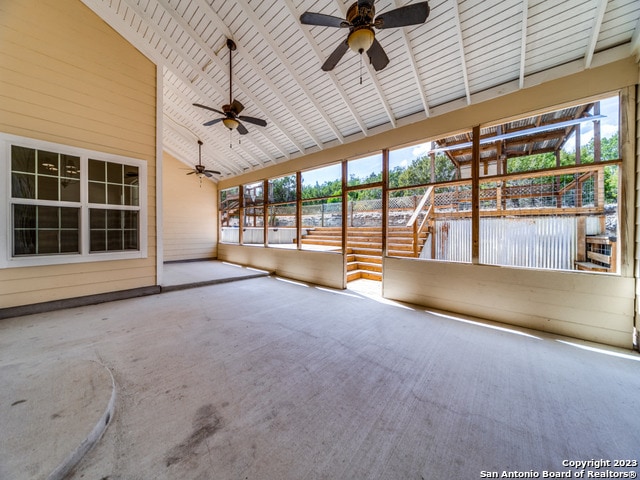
(418, 172)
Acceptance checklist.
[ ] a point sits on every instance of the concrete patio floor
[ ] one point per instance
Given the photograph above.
(270, 379)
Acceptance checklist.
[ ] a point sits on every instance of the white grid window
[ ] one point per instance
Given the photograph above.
(68, 205)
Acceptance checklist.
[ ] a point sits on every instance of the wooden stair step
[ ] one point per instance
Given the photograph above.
(369, 267)
(356, 274)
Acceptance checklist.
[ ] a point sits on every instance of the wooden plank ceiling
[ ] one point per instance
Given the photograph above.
(467, 50)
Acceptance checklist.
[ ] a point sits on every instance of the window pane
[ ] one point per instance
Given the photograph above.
(131, 195)
(48, 163)
(365, 170)
(405, 219)
(253, 231)
(47, 188)
(282, 189)
(229, 215)
(114, 219)
(130, 220)
(114, 173)
(282, 225)
(24, 232)
(322, 225)
(98, 219)
(114, 194)
(419, 165)
(69, 218)
(24, 216)
(228, 195)
(69, 241)
(130, 231)
(23, 159)
(48, 242)
(48, 217)
(24, 242)
(70, 166)
(97, 192)
(564, 219)
(97, 170)
(70, 191)
(322, 182)
(114, 240)
(254, 194)
(98, 241)
(23, 185)
(130, 175)
(453, 154)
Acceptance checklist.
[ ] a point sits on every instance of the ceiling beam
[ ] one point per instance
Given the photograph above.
(601, 8)
(635, 42)
(414, 66)
(523, 41)
(463, 62)
(341, 91)
(255, 21)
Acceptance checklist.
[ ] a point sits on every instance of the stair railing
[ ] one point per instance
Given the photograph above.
(417, 230)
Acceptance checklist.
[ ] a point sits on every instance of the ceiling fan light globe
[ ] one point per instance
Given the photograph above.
(361, 39)
(230, 123)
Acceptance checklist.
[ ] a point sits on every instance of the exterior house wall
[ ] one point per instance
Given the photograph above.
(190, 208)
(582, 305)
(66, 77)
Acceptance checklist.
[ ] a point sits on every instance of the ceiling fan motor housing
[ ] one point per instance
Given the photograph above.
(360, 15)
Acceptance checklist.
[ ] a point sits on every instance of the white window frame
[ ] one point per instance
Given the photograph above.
(7, 260)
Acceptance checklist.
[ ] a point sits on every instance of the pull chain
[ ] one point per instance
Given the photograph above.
(360, 69)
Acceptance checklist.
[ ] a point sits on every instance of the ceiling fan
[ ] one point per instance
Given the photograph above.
(360, 22)
(231, 117)
(199, 169)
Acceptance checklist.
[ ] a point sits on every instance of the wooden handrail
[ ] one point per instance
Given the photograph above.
(425, 219)
(418, 209)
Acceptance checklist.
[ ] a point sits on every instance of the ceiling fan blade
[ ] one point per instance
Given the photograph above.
(191, 172)
(207, 174)
(213, 172)
(322, 20)
(335, 57)
(242, 130)
(236, 107)
(208, 108)
(401, 17)
(212, 122)
(255, 121)
(378, 58)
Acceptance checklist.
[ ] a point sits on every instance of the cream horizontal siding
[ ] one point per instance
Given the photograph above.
(125, 274)
(314, 267)
(67, 77)
(189, 214)
(588, 306)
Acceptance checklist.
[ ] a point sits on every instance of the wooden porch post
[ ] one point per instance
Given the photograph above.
(475, 197)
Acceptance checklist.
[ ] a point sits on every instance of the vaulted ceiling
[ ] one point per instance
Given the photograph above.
(466, 51)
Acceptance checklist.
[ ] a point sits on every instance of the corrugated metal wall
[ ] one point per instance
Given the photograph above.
(535, 242)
